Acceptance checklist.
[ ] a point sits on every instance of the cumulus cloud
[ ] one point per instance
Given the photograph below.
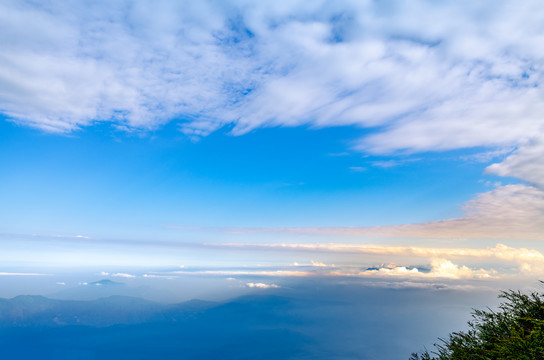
(262, 286)
(440, 268)
(445, 268)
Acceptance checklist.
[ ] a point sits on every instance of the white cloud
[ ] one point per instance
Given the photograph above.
(153, 276)
(437, 75)
(60, 283)
(487, 156)
(447, 269)
(123, 275)
(440, 268)
(386, 163)
(526, 163)
(320, 264)
(262, 286)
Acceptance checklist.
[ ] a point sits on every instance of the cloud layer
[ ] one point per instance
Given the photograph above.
(527, 261)
(436, 75)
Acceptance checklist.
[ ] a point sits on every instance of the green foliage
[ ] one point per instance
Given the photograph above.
(514, 332)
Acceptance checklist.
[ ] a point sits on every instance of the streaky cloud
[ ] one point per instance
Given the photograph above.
(507, 212)
(21, 274)
(262, 286)
(436, 75)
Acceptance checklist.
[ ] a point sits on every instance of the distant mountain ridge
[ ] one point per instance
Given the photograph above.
(35, 310)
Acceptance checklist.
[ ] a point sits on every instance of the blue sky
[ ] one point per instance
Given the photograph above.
(397, 140)
(271, 177)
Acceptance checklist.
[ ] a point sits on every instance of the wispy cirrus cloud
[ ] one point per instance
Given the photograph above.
(526, 163)
(507, 212)
(436, 75)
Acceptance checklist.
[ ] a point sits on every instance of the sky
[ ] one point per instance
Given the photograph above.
(397, 143)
